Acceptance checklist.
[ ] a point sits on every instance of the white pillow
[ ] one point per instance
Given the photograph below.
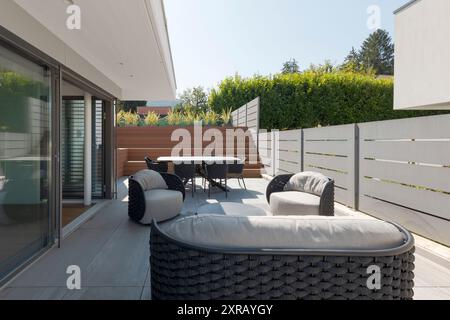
(150, 180)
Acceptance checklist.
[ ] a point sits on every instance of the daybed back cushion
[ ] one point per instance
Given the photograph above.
(320, 233)
(150, 180)
(310, 182)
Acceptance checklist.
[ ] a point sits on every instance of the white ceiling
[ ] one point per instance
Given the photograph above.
(126, 40)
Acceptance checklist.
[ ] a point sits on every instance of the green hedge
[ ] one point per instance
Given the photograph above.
(310, 99)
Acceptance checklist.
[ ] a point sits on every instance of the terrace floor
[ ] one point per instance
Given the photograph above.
(113, 255)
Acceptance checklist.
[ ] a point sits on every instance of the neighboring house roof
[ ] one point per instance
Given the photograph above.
(163, 103)
(384, 76)
(163, 111)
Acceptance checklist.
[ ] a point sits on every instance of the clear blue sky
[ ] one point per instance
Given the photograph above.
(213, 39)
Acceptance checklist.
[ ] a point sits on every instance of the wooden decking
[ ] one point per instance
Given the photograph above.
(113, 255)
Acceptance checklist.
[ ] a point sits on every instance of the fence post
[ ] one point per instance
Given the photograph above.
(275, 153)
(302, 150)
(246, 115)
(356, 167)
(258, 120)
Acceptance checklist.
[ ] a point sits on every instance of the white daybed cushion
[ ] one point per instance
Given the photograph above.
(315, 233)
(150, 180)
(311, 182)
(162, 205)
(292, 203)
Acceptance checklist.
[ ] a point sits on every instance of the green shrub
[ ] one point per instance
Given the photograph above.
(209, 118)
(311, 99)
(226, 116)
(174, 118)
(152, 119)
(128, 119)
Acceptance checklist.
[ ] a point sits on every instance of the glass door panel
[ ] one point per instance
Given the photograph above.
(25, 159)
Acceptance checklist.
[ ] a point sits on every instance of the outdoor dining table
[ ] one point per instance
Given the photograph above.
(200, 160)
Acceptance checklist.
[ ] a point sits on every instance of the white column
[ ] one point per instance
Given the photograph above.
(87, 149)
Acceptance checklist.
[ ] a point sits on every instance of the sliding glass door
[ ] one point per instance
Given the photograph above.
(25, 159)
(72, 147)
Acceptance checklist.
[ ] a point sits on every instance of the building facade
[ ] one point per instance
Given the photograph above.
(58, 90)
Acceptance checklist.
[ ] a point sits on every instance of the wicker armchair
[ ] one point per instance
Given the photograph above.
(182, 271)
(136, 199)
(326, 206)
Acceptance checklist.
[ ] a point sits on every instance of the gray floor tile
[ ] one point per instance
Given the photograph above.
(429, 274)
(78, 249)
(123, 260)
(105, 293)
(146, 294)
(36, 293)
(110, 217)
(430, 293)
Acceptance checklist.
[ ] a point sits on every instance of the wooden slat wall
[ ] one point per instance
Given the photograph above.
(140, 142)
(122, 158)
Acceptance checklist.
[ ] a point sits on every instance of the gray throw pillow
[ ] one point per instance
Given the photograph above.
(310, 182)
(150, 180)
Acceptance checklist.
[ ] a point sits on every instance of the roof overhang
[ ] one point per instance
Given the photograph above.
(127, 41)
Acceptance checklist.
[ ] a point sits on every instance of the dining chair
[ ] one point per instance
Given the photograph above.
(216, 171)
(161, 167)
(236, 171)
(186, 172)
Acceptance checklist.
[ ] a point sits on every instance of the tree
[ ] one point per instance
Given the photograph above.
(353, 57)
(326, 67)
(195, 99)
(352, 63)
(130, 105)
(290, 67)
(377, 53)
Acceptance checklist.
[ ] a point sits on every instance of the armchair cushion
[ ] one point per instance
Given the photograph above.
(161, 205)
(150, 180)
(290, 203)
(310, 182)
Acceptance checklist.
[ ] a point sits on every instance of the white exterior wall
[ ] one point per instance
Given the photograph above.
(422, 51)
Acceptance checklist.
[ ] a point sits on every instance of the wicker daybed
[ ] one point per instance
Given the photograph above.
(182, 270)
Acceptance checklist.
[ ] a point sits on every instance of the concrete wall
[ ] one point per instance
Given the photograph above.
(422, 51)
